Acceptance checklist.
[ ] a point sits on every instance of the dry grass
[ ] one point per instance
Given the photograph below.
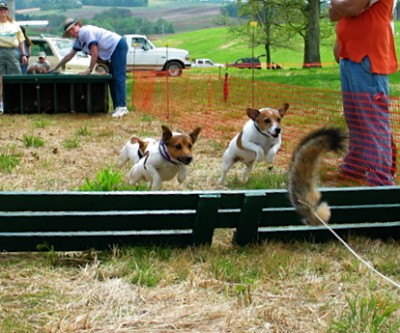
(273, 288)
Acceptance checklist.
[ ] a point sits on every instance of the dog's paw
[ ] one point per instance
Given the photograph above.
(260, 157)
(244, 179)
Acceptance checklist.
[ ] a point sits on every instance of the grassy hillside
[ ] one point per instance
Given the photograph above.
(219, 45)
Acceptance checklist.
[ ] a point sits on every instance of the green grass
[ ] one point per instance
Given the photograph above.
(109, 180)
(105, 180)
(83, 131)
(8, 162)
(43, 123)
(32, 141)
(370, 314)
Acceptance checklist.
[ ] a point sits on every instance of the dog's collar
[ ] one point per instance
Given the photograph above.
(259, 131)
(164, 152)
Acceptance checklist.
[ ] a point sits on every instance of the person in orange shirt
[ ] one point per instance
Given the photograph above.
(366, 53)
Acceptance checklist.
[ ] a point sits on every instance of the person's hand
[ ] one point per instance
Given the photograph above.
(24, 59)
(334, 15)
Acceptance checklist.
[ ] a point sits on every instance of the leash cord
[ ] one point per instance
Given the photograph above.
(397, 285)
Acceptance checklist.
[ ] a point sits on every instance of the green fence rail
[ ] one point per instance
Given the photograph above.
(74, 221)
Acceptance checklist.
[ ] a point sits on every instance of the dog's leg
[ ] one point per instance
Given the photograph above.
(182, 173)
(227, 163)
(260, 155)
(135, 174)
(271, 155)
(246, 170)
(123, 157)
(153, 178)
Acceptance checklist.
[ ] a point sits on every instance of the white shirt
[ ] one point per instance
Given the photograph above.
(106, 41)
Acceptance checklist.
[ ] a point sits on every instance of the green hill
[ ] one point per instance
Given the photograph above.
(218, 45)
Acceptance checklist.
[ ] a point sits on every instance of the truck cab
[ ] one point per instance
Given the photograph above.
(144, 55)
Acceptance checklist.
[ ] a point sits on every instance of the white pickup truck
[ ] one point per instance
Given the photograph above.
(144, 55)
(206, 63)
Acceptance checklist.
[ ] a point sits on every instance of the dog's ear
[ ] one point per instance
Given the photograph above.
(167, 134)
(142, 145)
(195, 133)
(252, 113)
(283, 109)
(134, 139)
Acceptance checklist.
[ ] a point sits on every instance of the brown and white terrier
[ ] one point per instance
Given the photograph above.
(259, 140)
(134, 149)
(165, 159)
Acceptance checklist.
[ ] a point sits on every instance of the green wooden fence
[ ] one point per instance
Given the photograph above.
(73, 221)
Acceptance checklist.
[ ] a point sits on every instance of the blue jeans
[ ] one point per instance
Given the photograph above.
(366, 110)
(118, 71)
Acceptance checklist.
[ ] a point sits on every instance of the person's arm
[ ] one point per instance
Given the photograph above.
(64, 60)
(341, 8)
(24, 53)
(31, 69)
(336, 51)
(94, 53)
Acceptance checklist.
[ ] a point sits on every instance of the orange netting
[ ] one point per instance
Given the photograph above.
(217, 103)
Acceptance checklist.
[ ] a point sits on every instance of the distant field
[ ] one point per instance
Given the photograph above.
(185, 16)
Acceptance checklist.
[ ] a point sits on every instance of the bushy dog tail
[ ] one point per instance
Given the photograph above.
(304, 172)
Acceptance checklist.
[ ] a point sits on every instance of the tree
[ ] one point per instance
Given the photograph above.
(278, 22)
(307, 25)
(262, 24)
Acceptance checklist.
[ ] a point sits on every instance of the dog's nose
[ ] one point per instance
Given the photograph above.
(186, 159)
(277, 130)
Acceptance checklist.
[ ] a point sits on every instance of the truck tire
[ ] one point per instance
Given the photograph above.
(101, 68)
(174, 68)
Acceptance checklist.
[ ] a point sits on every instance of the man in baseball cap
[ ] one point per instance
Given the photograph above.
(42, 66)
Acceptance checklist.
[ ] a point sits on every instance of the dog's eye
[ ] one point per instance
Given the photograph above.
(267, 121)
(190, 146)
(178, 146)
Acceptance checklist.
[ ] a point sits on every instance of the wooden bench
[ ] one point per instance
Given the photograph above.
(55, 93)
(74, 221)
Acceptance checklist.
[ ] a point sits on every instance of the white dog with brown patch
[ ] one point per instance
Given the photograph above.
(134, 149)
(167, 158)
(259, 140)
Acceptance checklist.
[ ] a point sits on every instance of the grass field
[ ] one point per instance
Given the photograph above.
(273, 287)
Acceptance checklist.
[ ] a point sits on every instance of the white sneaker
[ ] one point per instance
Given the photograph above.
(1, 107)
(119, 112)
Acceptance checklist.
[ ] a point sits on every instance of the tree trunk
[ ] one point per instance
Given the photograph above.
(312, 56)
(267, 55)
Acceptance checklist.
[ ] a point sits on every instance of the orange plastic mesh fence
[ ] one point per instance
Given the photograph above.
(217, 103)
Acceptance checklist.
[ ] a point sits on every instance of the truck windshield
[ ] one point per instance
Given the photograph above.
(64, 46)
